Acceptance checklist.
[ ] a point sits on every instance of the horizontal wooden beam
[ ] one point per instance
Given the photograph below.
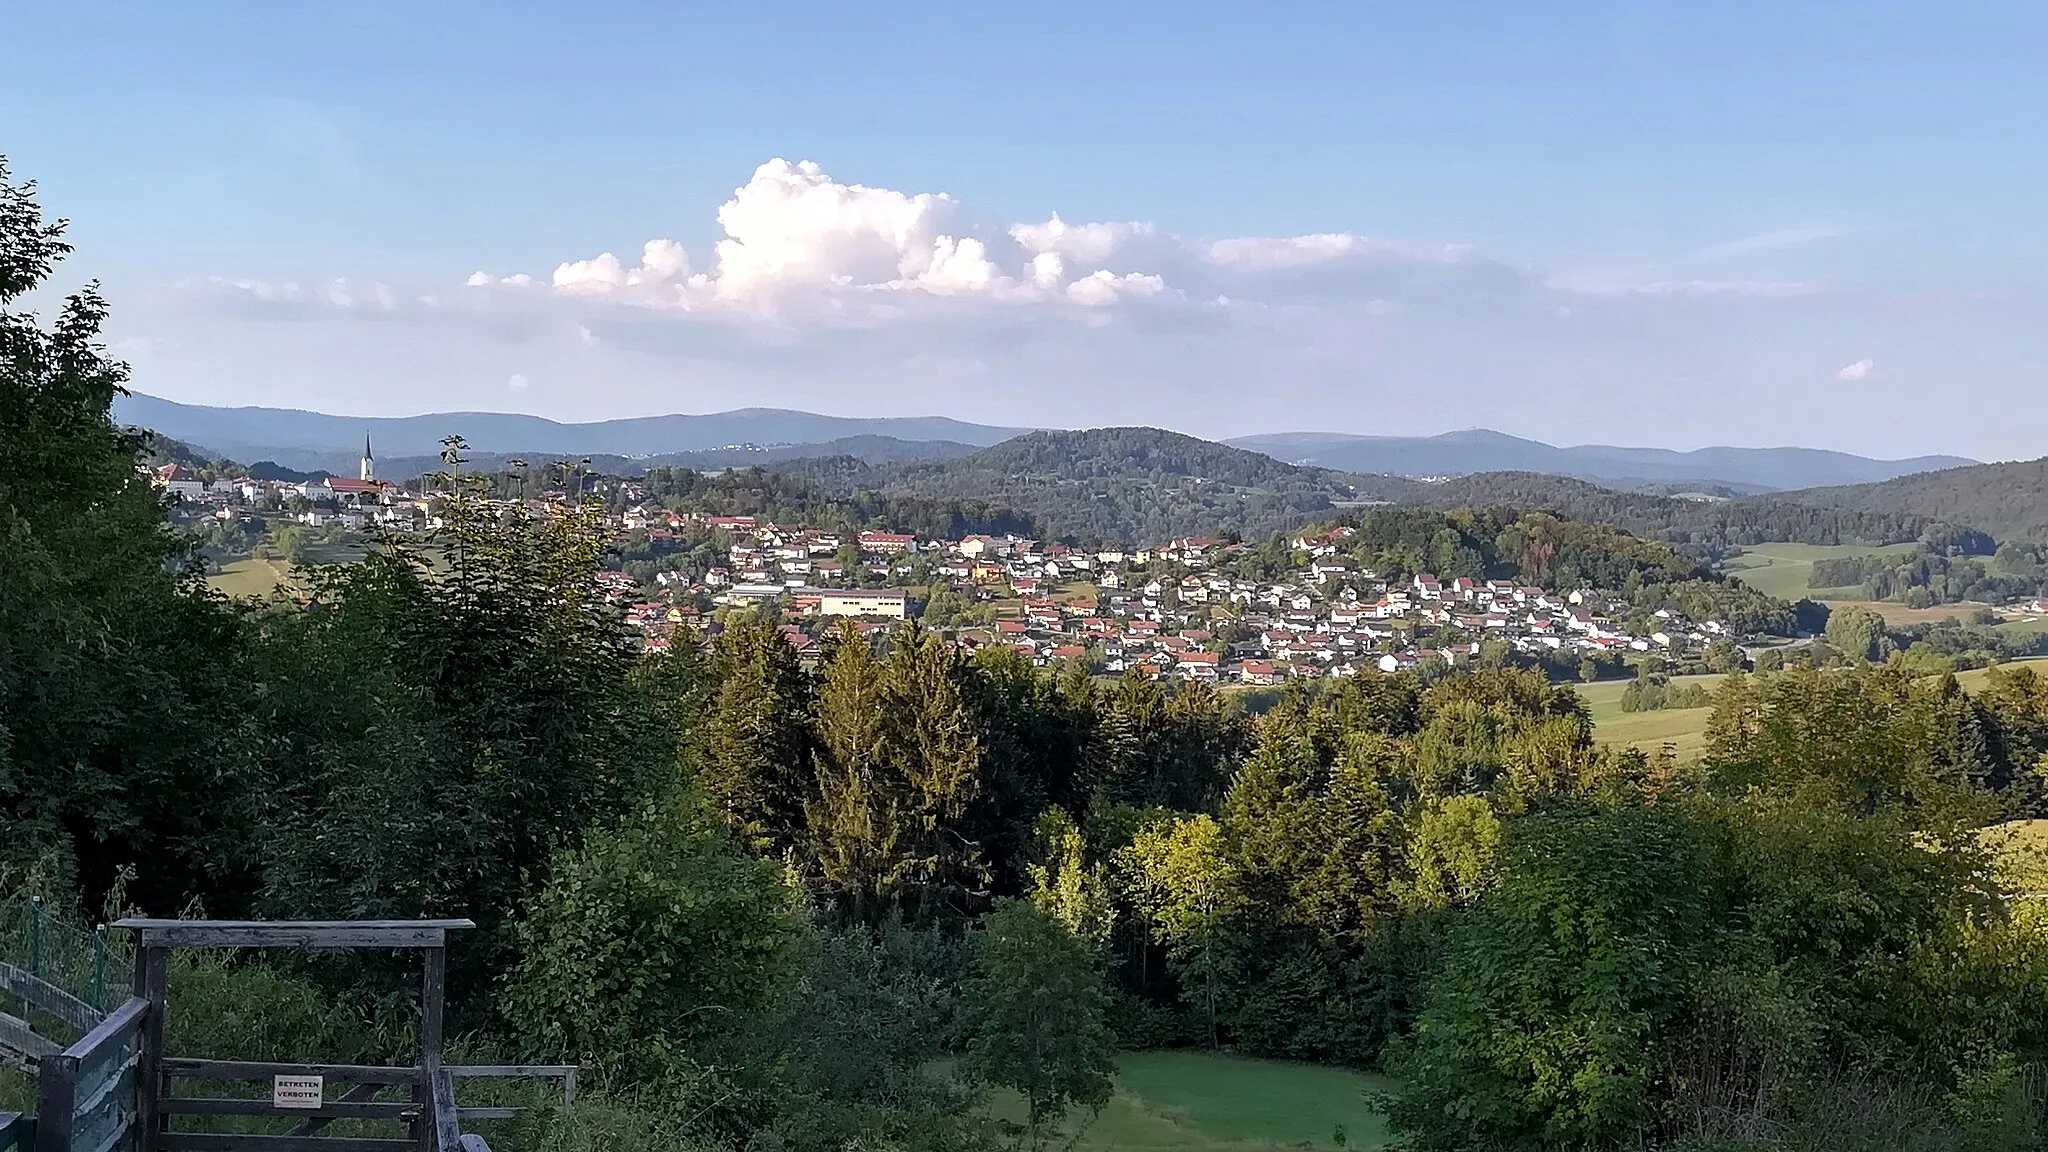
(47, 997)
(117, 1027)
(330, 1110)
(293, 933)
(262, 1070)
(21, 1040)
(242, 1142)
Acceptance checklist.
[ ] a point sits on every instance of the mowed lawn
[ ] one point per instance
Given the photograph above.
(1207, 1102)
(1782, 570)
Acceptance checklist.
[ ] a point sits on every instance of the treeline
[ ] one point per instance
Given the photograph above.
(1925, 577)
(1860, 634)
(1707, 528)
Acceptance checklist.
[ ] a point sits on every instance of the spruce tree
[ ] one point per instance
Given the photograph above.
(754, 761)
(856, 816)
(935, 744)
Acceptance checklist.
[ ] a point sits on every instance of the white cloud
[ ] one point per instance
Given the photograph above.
(517, 382)
(794, 226)
(1083, 243)
(1271, 253)
(661, 262)
(796, 238)
(1102, 287)
(1860, 370)
(337, 293)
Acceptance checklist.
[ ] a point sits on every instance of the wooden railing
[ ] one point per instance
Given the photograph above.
(87, 1099)
(429, 1113)
(116, 1090)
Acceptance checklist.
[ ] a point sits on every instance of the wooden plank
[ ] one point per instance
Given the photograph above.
(471, 1142)
(512, 1071)
(355, 1095)
(447, 1125)
(293, 933)
(329, 1110)
(100, 1129)
(242, 1142)
(17, 1132)
(16, 1036)
(263, 1070)
(111, 1092)
(48, 998)
(120, 1026)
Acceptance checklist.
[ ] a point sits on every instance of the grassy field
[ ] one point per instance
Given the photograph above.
(2026, 626)
(1204, 1102)
(250, 577)
(259, 575)
(1685, 729)
(1782, 570)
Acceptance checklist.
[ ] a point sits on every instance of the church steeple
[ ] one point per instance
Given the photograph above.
(369, 461)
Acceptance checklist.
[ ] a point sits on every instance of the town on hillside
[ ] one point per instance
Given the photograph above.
(1184, 609)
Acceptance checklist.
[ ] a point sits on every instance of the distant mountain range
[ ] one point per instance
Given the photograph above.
(406, 445)
(300, 439)
(1747, 470)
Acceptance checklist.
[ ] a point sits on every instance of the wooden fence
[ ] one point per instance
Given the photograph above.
(116, 1090)
(89, 1096)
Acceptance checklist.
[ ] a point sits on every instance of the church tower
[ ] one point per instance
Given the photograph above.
(369, 461)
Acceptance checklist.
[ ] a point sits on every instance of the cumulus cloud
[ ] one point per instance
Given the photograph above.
(1860, 370)
(794, 236)
(517, 382)
(661, 262)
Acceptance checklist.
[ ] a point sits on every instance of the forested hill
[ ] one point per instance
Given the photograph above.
(1146, 484)
(1705, 526)
(1124, 484)
(2006, 500)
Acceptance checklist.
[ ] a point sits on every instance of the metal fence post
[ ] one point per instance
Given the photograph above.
(35, 937)
(99, 967)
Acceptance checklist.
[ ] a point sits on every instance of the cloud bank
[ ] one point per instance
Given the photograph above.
(794, 236)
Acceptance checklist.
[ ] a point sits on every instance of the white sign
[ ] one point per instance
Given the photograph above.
(295, 1091)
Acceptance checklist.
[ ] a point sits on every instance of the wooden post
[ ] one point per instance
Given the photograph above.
(433, 996)
(56, 1103)
(152, 980)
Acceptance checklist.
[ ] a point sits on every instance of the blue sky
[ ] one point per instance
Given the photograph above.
(1657, 223)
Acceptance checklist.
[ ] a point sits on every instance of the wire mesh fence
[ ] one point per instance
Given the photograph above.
(80, 962)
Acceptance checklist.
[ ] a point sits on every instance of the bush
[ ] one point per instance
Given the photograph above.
(655, 948)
